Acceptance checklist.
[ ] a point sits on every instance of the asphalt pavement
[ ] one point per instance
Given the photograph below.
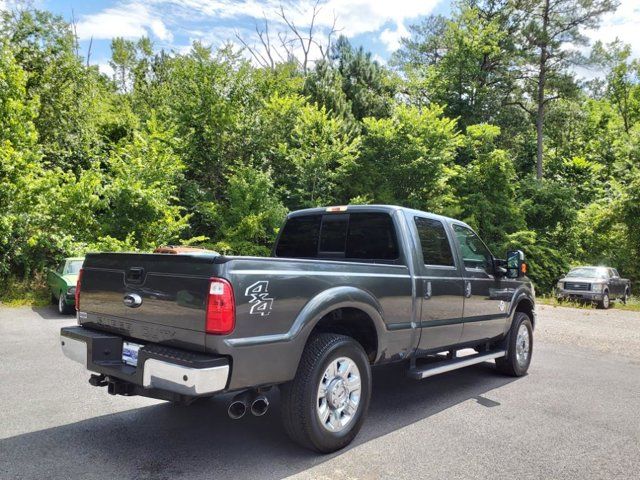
(575, 415)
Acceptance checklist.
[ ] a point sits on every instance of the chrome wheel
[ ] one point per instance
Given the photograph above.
(605, 301)
(338, 394)
(523, 345)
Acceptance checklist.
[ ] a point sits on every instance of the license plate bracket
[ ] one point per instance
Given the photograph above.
(130, 353)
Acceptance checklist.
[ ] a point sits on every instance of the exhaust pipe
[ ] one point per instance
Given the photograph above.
(260, 405)
(239, 405)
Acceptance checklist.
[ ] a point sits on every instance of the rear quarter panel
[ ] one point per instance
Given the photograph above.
(279, 301)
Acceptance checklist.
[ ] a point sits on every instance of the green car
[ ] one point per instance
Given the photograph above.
(62, 283)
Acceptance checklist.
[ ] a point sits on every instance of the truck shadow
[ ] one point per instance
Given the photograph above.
(50, 312)
(166, 441)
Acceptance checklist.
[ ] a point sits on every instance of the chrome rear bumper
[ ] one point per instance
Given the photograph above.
(159, 368)
(184, 380)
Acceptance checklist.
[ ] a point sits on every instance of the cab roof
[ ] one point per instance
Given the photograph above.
(368, 208)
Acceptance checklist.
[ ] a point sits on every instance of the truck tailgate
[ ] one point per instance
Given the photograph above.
(166, 296)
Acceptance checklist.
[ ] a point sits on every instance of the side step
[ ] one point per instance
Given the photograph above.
(442, 366)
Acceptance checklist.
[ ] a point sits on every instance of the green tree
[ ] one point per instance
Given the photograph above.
(367, 86)
(487, 189)
(141, 188)
(250, 216)
(463, 63)
(552, 30)
(622, 80)
(123, 61)
(19, 164)
(319, 153)
(351, 85)
(407, 159)
(73, 99)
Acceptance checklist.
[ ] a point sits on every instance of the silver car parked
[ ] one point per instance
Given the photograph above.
(601, 285)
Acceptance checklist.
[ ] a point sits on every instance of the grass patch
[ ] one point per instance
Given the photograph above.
(633, 304)
(25, 293)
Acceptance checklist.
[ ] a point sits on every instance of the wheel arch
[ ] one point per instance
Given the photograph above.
(525, 304)
(344, 310)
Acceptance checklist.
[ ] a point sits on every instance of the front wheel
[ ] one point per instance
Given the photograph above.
(324, 406)
(520, 347)
(605, 303)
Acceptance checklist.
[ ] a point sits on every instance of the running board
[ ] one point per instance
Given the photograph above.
(443, 366)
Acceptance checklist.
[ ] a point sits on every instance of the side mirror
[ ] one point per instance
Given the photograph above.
(499, 267)
(516, 266)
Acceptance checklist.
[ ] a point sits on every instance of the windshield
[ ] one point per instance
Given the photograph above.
(588, 272)
(74, 267)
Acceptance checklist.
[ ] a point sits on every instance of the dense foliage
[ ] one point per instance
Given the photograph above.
(205, 148)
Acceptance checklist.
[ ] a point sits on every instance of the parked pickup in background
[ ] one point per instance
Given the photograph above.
(601, 285)
(347, 288)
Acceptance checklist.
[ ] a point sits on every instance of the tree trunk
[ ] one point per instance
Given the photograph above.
(542, 72)
(540, 119)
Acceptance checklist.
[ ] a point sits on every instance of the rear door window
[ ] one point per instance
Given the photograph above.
(372, 236)
(436, 249)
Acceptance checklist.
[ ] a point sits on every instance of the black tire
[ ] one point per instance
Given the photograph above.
(63, 308)
(605, 303)
(510, 365)
(626, 295)
(300, 396)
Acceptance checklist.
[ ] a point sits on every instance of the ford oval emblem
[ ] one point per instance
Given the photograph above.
(132, 300)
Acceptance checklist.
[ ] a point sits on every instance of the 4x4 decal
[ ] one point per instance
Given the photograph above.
(260, 301)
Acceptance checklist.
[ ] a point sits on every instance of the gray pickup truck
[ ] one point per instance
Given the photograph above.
(600, 285)
(347, 288)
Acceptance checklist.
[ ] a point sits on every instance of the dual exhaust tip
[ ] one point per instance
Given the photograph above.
(257, 404)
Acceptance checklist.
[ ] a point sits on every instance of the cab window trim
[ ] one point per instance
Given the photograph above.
(459, 246)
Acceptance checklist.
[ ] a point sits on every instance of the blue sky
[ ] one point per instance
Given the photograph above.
(377, 25)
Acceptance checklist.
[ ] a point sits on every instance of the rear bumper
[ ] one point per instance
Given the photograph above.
(159, 368)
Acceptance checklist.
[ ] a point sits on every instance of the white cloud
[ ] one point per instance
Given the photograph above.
(623, 24)
(105, 68)
(130, 20)
(16, 4)
(354, 17)
(161, 19)
(379, 59)
(391, 38)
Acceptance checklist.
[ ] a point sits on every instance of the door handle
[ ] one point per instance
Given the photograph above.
(427, 289)
(467, 289)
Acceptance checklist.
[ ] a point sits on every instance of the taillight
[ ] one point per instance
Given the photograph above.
(78, 284)
(221, 308)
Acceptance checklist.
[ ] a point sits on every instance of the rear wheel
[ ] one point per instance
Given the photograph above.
(324, 406)
(63, 308)
(520, 348)
(626, 295)
(605, 303)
